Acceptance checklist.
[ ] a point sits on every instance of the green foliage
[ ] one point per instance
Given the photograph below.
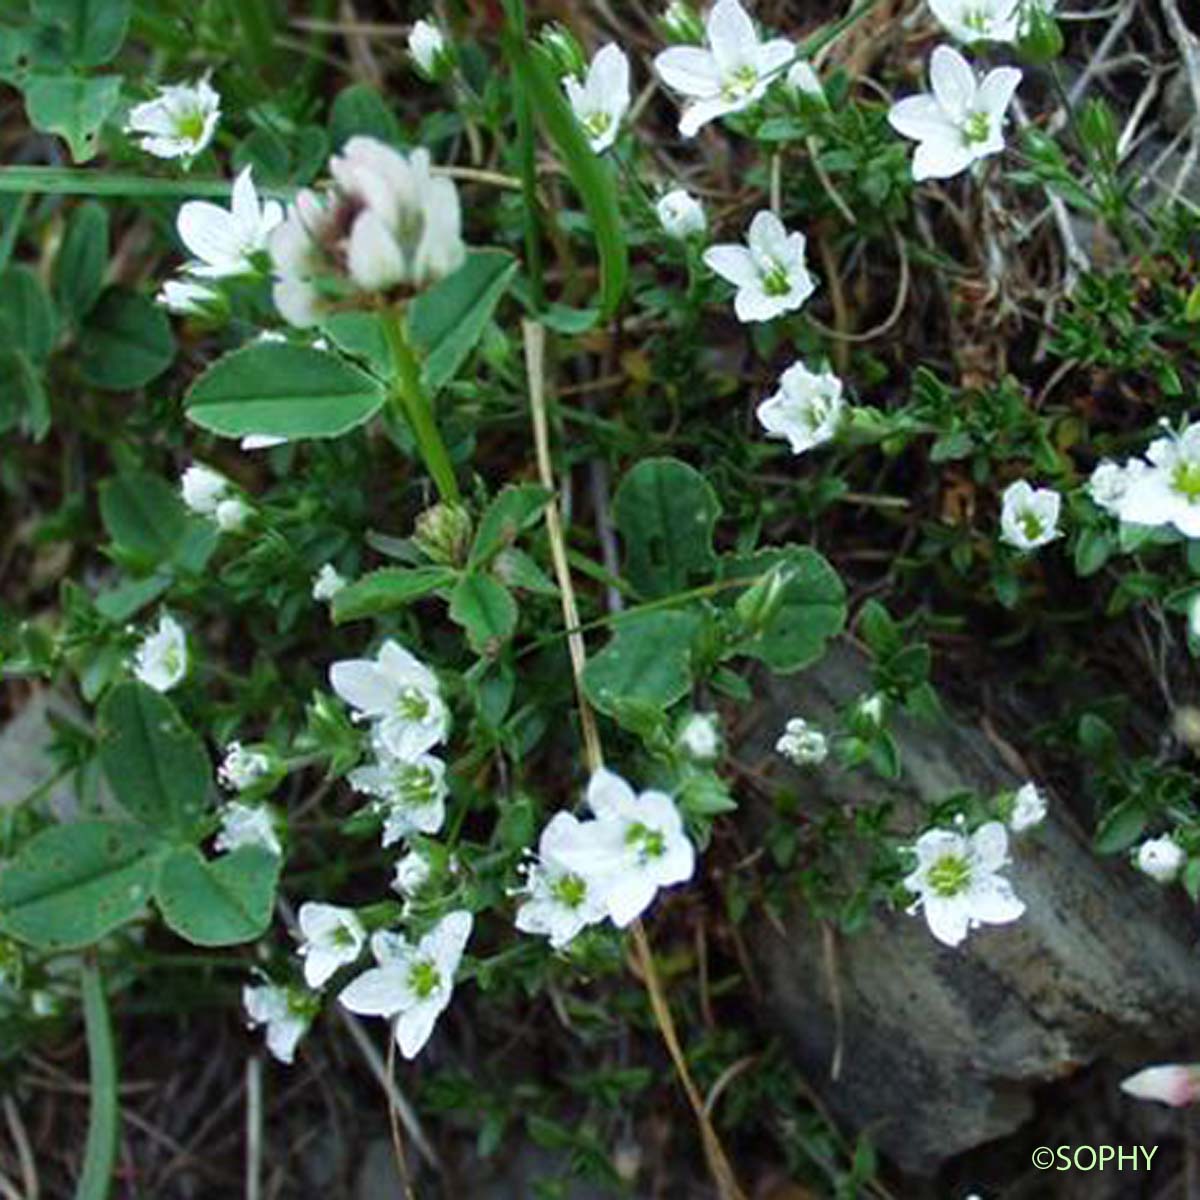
(125, 343)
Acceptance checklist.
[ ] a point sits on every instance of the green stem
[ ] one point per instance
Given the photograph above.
(85, 181)
(410, 395)
(258, 21)
(101, 1150)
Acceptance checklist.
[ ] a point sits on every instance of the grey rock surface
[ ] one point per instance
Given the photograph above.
(941, 1049)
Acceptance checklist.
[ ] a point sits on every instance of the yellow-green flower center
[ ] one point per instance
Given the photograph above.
(189, 125)
(597, 123)
(976, 128)
(739, 83)
(648, 842)
(775, 280)
(424, 979)
(950, 875)
(569, 890)
(1185, 479)
(412, 704)
(1032, 525)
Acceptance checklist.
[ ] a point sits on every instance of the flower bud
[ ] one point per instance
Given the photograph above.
(232, 514)
(681, 215)
(1176, 1084)
(1040, 39)
(1161, 858)
(758, 604)
(433, 57)
(443, 532)
(560, 43)
(681, 23)
(699, 737)
(802, 744)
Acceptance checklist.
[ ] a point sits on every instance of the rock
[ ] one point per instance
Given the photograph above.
(25, 765)
(941, 1049)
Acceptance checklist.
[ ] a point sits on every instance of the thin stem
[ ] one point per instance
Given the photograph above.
(410, 395)
(100, 1151)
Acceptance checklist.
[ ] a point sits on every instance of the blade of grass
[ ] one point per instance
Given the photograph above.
(101, 1150)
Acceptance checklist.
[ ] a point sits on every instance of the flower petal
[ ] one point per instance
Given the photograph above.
(689, 70)
(953, 81)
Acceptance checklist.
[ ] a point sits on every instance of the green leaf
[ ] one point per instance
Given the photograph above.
(94, 29)
(1121, 827)
(126, 342)
(446, 321)
(148, 521)
(127, 599)
(486, 609)
(360, 109)
(23, 399)
(361, 335)
(388, 588)
(156, 766)
(665, 512)
(82, 260)
(647, 662)
(71, 884)
(513, 510)
(28, 320)
(590, 174)
(218, 903)
(73, 107)
(283, 391)
(810, 608)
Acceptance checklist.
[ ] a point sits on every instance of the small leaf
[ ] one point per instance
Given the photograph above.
(147, 520)
(28, 321)
(512, 512)
(387, 589)
(1121, 827)
(218, 903)
(73, 107)
(23, 399)
(126, 342)
(486, 609)
(94, 29)
(360, 109)
(648, 661)
(82, 260)
(284, 391)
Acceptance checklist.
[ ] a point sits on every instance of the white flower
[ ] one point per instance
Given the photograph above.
(636, 845)
(412, 983)
(806, 409)
(1029, 516)
(1110, 481)
(427, 45)
(978, 20)
(802, 744)
(1028, 810)
(161, 661)
(1161, 858)
(1193, 617)
(333, 937)
(412, 873)
(563, 900)
(730, 75)
(226, 242)
(232, 514)
(203, 489)
(958, 884)
(681, 215)
(803, 79)
(769, 273)
(1176, 1084)
(241, 769)
(185, 298)
(1167, 491)
(327, 583)
(179, 122)
(247, 825)
(961, 121)
(700, 737)
(286, 1014)
(413, 793)
(400, 694)
(600, 102)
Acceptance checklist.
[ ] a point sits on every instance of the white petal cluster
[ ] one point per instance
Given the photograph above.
(802, 743)
(179, 122)
(242, 769)
(1161, 858)
(228, 242)
(1173, 1084)
(285, 1012)
(979, 20)
(161, 660)
(1163, 489)
(427, 45)
(727, 75)
(561, 901)
(1028, 809)
(327, 583)
(681, 215)
(387, 223)
(769, 272)
(699, 737)
(1029, 516)
(248, 825)
(602, 99)
(413, 982)
(806, 409)
(960, 121)
(412, 873)
(411, 793)
(185, 298)
(958, 882)
(333, 937)
(208, 493)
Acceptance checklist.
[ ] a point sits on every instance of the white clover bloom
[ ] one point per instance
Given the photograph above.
(412, 873)
(247, 825)
(179, 122)
(286, 1013)
(388, 223)
(1167, 491)
(960, 121)
(161, 661)
(979, 20)
(602, 99)
(802, 744)
(1176, 1084)
(413, 793)
(806, 410)
(427, 45)
(700, 737)
(562, 900)
(1161, 858)
(400, 694)
(203, 489)
(681, 215)
(958, 884)
(185, 298)
(327, 583)
(333, 937)
(227, 242)
(1028, 810)
(769, 272)
(412, 983)
(242, 769)
(730, 75)
(232, 514)
(1029, 516)
(637, 845)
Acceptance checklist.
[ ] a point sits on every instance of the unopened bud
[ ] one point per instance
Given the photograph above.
(443, 532)
(1040, 39)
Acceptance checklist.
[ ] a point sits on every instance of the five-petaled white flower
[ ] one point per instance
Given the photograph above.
(248, 825)
(427, 45)
(1176, 1084)
(228, 242)
(681, 215)
(412, 793)
(979, 20)
(561, 899)
(161, 660)
(413, 982)
(769, 272)
(179, 122)
(1166, 489)
(397, 692)
(286, 1012)
(1028, 808)
(333, 937)
(806, 409)
(960, 121)
(1161, 858)
(958, 884)
(602, 99)
(203, 489)
(327, 582)
(802, 743)
(242, 769)
(730, 75)
(1029, 516)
